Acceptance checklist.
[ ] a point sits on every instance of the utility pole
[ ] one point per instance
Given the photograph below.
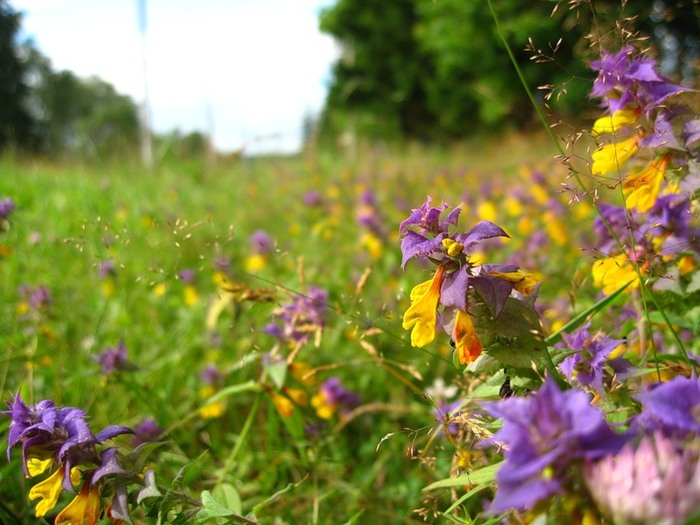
(144, 109)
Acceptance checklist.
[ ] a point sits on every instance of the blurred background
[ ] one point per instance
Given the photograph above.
(227, 78)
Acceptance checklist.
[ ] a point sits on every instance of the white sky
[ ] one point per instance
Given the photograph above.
(251, 67)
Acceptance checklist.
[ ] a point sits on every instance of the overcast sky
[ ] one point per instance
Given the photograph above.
(246, 68)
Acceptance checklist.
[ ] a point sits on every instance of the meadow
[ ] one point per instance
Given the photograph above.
(249, 323)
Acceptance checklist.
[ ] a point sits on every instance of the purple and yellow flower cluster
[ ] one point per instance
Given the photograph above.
(58, 442)
(646, 140)
(457, 277)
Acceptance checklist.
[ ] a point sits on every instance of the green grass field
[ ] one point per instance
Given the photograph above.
(161, 265)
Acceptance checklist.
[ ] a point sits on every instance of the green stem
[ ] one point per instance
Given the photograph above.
(241, 440)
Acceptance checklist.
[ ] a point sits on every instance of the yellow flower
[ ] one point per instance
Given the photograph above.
(513, 206)
(487, 211)
(191, 295)
(522, 281)
(324, 410)
(283, 405)
(48, 492)
(373, 245)
(556, 229)
(614, 122)
(36, 466)
(421, 316)
(107, 287)
(85, 507)
(613, 272)
(642, 186)
(255, 263)
(466, 341)
(297, 395)
(686, 264)
(611, 157)
(159, 289)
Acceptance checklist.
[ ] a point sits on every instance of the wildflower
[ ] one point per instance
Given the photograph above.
(147, 431)
(613, 123)
(544, 436)
(60, 437)
(114, 359)
(368, 215)
(298, 320)
(610, 158)
(7, 206)
(36, 298)
(654, 483)
(255, 263)
(421, 316)
(611, 273)
(444, 413)
(331, 397)
(427, 237)
(188, 276)
(47, 492)
(312, 198)
(586, 366)
(85, 507)
(642, 187)
(672, 408)
(628, 81)
(261, 242)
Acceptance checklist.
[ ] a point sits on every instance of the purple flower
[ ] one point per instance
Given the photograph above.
(337, 395)
(616, 218)
(670, 220)
(113, 359)
(188, 276)
(7, 206)
(147, 432)
(431, 238)
(47, 431)
(444, 414)
(210, 375)
(222, 264)
(37, 297)
(672, 408)
(586, 366)
(650, 485)
(107, 269)
(368, 215)
(625, 79)
(261, 242)
(544, 436)
(301, 318)
(312, 198)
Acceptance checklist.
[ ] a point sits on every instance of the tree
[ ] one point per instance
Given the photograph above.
(84, 117)
(378, 81)
(439, 70)
(17, 126)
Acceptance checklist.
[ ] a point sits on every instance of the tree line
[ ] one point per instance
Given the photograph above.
(437, 70)
(433, 70)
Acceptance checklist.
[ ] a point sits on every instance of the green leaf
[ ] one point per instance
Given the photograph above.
(583, 316)
(289, 488)
(483, 476)
(277, 372)
(212, 508)
(514, 338)
(228, 496)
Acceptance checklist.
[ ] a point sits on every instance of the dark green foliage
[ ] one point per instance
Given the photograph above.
(437, 69)
(17, 127)
(378, 82)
